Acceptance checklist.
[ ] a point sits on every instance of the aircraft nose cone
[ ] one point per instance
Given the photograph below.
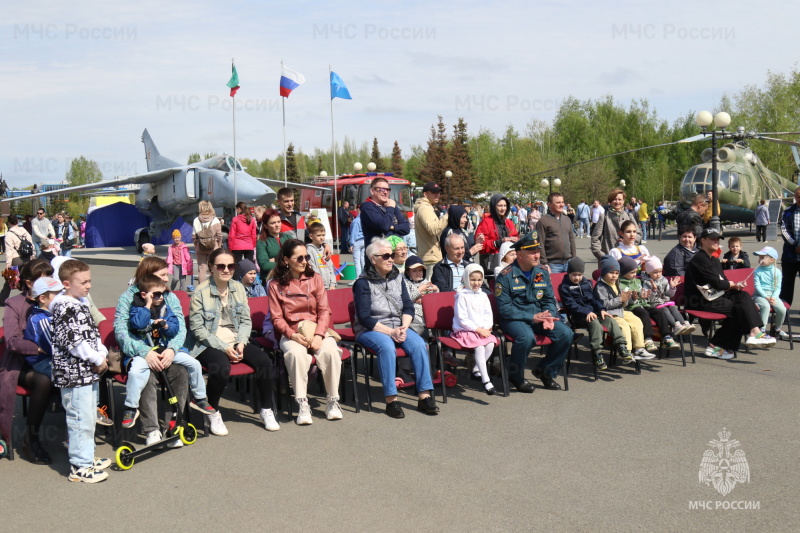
(253, 191)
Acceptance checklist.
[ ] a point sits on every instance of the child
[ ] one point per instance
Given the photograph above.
(179, 263)
(585, 311)
(316, 249)
(662, 290)
(627, 247)
(47, 252)
(507, 256)
(148, 250)
(417, 286)
(628, 282)
(39, 328)
(735, 257)
(767, 283)
(152, 320)
(79, 358)
(472, 322)
(609, 296)
(246, 273)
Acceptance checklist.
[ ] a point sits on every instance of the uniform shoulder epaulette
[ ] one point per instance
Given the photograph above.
(506, 270)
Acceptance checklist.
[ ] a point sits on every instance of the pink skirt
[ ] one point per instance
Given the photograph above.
(471, 339)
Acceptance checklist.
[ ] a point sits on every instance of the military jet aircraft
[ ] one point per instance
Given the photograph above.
(169, 190)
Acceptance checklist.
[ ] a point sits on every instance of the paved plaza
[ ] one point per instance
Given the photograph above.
(620, 454)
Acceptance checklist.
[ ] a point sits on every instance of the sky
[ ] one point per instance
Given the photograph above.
(87, 78)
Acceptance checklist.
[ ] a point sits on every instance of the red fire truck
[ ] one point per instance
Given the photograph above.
(355, 189)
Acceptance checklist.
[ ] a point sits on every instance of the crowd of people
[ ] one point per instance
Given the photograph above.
(501, 269)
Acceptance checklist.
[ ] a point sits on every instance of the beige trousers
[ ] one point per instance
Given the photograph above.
(633, 330)
(298, 363)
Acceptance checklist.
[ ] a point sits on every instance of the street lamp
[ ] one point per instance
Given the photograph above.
(371, 167)
(550, 181)
(357, 167)
(447, 176)
(721, 120)
(622, 183)
(323, 174)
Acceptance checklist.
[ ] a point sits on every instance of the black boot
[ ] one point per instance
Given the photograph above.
(35, 453)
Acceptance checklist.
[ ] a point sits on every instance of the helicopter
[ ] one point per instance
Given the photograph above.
(169, 190)
(742, 178)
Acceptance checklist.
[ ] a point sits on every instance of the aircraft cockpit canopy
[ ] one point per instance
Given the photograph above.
(225, 163)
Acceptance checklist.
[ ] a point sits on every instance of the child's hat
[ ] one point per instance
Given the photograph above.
(768, 250)
(653, 263)
(56, 263)
(626, 265)
(504, 249)
(176, 233)
(608, 264)
(244, 266)
(414, 262)
(576, 264)
(472, 267)
(43, 285)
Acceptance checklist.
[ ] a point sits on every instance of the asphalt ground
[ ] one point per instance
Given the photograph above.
(619, 454)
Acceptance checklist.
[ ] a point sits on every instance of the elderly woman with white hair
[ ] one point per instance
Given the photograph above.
(384, 312)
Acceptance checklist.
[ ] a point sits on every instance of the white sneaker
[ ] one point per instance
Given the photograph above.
(153, 437)
(709, 352)
(726, 354)
(177, 443)
(101, 463)
(642, 354)
(761, 340)
(216, 425)
(268, 417)
(304, 414)
(87, 474)
(332, 410)
(782, 335)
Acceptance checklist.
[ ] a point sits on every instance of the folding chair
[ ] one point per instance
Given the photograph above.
(438, 309)
(185, 300)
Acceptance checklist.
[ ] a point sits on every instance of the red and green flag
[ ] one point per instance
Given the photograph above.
(233, 83)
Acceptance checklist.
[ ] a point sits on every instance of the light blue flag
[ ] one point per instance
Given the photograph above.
(338, 88)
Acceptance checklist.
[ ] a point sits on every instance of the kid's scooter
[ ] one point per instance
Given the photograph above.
(177, 428)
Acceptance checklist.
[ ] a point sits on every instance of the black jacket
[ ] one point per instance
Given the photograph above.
(733, 266)
(703, 270)
(443, 275)
(677, 260)
(578, 300)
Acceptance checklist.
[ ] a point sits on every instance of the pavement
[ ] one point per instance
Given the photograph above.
(619, 454)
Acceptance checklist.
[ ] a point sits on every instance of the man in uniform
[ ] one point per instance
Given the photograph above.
(527, 306)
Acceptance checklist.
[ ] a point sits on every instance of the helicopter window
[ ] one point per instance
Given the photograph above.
(700, 175)
(734, 185)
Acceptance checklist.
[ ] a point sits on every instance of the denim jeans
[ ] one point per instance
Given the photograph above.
(583, 224)
(384, 347)
(66, 253)
(80, 403)
(644, 225)
(557, 268)
(139, 374)
(358, 256)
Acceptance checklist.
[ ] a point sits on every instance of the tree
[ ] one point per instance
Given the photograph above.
(463, 182)
(81, 171)
(437, 160)
(397, 161)
(375, 156)
(194, 157)
(291, 165)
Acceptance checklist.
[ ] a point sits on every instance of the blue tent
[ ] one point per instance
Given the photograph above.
(115, 225)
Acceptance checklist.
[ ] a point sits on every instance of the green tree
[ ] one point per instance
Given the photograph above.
(397, 161)
(194, 157)
(463, 182)
(291, 165)
(375, 156)
(81, 171)
(437, 160)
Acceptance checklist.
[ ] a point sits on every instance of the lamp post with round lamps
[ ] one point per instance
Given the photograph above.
(371, 167)
(447, 176)
(357, 167)
(721, 120)
(550, 181)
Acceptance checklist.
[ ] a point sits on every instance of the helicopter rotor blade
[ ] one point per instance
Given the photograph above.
(687, 140)
(779, 133)
(796, 156)
(779, 141)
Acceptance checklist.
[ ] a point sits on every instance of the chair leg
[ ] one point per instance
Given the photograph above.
(504, 367)
(368, 360)
(789, 330)
(440, 353)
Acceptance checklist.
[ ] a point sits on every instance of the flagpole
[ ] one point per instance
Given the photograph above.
(235, 189)
(333, 150)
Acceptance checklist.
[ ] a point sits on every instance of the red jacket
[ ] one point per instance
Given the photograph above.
(241, 236)
(302, 299)
(185, 263)
(488, 228)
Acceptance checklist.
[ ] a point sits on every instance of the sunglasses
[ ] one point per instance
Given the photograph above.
(385, 257)
(159, 294)
(380, 189)
(223, 268)
(303, 258)
(40, 213)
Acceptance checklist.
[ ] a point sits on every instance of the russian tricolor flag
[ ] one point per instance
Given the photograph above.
(290, 80)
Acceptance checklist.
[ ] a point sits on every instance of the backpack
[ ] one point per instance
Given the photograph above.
(25, 248)
(205, 239)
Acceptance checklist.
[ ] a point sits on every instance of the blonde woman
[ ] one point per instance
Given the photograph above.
(206, 236)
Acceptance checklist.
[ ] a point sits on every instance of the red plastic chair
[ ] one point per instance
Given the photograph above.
(438, 309)
(185, 300)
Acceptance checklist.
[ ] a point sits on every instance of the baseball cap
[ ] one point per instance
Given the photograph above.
(768, 250)
(43, 285)
(431, 187)
(711, 233)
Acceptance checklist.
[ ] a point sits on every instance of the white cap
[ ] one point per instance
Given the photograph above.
(43, 285)
(56, 263)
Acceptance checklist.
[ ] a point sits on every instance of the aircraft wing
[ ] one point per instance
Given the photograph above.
(149, 177)
(280, 183)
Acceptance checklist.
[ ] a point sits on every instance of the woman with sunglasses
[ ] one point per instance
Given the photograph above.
(132, 346)
(384, 312)
(296, 296)
(220, 326)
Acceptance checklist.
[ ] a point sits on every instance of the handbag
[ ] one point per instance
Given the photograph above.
(306, 328)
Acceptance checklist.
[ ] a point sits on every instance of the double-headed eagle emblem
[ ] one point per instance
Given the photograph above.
(726, 467)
